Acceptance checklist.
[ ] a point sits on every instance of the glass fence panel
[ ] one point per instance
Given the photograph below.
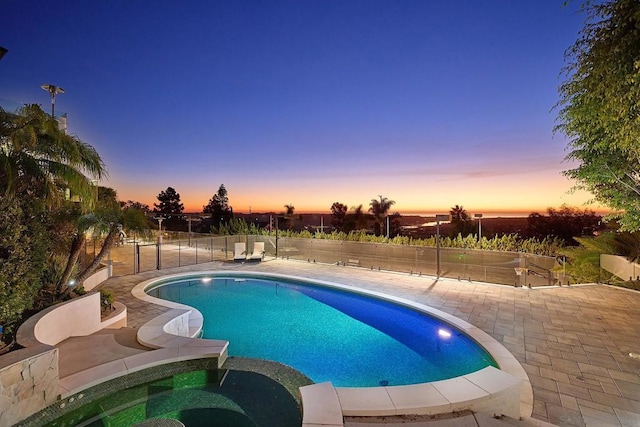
(291, 248)
(326, 251)
(510, 268)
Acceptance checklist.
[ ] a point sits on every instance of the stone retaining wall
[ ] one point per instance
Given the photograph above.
(28, 382)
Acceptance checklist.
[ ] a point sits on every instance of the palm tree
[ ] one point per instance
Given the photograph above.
(129, 218)
(379, 209)
(40, 159)
(459, 219)
(107, 220)
(290, 209)
(458, 213)
(288, 215)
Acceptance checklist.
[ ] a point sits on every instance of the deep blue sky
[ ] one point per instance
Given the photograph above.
(429, 103)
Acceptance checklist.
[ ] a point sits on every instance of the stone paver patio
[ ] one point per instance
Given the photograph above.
(574, 342)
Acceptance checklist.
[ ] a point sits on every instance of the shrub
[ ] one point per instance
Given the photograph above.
(106, 297)
(507, 242)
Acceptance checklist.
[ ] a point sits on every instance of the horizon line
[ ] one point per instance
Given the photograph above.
(486, 213)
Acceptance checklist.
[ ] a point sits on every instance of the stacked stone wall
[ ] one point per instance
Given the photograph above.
(28, 382)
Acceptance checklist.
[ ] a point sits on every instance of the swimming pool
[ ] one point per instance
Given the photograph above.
(348, 338)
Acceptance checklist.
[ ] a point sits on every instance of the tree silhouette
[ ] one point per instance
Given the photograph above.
(357, 219)
(288, 215)
(338, 216)
(218, 207)
(379, 209)
(564, 223)
(171, 209)
(135, 205)
(460, 221)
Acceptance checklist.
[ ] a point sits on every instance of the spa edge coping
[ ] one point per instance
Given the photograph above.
(365, 400)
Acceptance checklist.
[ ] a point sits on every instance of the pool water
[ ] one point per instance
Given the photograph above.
(197, 399)
(350, 339)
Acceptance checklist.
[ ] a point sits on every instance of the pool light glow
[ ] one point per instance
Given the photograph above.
(443, 333)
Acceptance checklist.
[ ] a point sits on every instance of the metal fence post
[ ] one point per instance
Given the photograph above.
(179, 254)
(211, 248)
(196, 251)
(158, 261)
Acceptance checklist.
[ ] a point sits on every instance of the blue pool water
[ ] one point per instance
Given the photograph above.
(350, 339)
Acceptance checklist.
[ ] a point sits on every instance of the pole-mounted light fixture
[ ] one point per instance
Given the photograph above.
(479, 216)
(438, 219)
(53, 91)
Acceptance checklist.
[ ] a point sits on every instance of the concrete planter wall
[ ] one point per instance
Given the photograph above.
(98, 277)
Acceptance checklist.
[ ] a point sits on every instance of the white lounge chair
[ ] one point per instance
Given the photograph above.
(240, 252)
(258, 252)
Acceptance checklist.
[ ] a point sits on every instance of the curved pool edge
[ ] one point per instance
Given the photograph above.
(484, 390)
(51, 414)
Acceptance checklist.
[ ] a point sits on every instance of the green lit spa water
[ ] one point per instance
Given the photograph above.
(197, 399)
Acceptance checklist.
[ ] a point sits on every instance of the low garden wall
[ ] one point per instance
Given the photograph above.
(98, 277)
(29, 377)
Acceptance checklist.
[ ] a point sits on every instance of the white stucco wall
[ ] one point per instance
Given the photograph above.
(78, 317)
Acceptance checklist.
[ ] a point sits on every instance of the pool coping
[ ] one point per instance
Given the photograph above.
(171, 336)
(489, 386)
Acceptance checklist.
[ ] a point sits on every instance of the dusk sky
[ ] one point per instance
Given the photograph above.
(430, 103)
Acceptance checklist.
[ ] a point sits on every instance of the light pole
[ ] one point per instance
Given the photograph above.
(189, 219)
(159, 219)
(387, 226)
(158, 250)
(438, 219)
(479, 216)
(53, 91)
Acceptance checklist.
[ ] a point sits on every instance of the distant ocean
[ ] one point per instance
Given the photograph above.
(500, 214)
(484, 215)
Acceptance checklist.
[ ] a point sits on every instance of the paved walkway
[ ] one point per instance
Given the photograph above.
(574, 342)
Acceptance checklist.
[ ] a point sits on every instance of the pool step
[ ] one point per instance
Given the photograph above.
(321, 406)
(489, 391)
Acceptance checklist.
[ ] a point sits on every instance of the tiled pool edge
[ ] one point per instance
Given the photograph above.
(105, 387)
(353, 399)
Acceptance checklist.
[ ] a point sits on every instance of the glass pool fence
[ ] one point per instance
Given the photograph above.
(508, 268)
